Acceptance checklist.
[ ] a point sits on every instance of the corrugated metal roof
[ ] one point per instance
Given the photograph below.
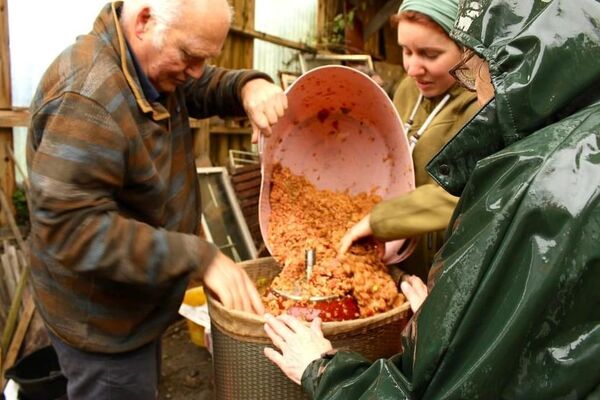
(289, 19)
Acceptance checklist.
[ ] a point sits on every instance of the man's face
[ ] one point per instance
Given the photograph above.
(185, 48)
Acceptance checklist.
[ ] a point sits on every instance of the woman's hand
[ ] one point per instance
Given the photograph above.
(360, 230)
(299, 344)
(415, 291)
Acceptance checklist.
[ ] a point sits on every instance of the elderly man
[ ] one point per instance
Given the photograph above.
(115, 199)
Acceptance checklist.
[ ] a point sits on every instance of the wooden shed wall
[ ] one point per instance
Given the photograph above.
(7, 173)
(217, 137)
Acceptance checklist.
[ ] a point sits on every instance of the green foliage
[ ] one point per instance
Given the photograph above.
(337, 27)
(20, 203)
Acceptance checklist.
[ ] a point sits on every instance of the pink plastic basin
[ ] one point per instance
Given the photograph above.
(341, 131)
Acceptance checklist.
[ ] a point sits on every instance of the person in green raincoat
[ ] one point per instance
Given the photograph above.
(514, 309)
(434, 108)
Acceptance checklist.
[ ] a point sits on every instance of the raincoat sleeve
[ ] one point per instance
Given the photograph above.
(348, 375)
(426, 209)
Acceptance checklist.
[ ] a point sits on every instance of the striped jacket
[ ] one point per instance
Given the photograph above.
(114, 196)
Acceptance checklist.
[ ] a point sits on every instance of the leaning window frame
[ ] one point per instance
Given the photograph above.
(333, 59)
(234, 206)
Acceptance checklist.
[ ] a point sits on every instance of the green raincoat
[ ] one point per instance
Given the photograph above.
(515, 312)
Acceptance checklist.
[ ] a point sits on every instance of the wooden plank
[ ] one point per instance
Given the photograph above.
(247, 170)
(252, 192)
(241, 186)
(245, 176)
(248, 176)
(20, 117)
(5, 84)
(251, 218)
(24, 276)
(11, 320)
(7, 208)
(21, 170)
(5, 294)
(227, 130)
(17, 340)
(15, 268)
(250, 209)
(15, 117)
(7, 171)
(290, 44)
(202, 144)
(252, 201)
(10, 281)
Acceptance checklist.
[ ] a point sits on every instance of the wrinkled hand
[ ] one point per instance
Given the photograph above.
(415, 291)
(264, 103)
(360, 230)
(232, 285)
(299, 344)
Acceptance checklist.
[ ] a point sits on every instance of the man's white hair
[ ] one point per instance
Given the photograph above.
(165, 13)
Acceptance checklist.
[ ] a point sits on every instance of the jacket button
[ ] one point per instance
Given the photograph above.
(444, 169)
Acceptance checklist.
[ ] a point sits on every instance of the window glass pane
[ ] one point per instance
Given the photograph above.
(225, 227)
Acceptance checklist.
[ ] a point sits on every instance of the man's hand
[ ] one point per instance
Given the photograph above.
(360, 230)
(299, 344)
(232, 285)
(415, 291)
(264, 103)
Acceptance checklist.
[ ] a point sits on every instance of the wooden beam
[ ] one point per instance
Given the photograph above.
(273, 39)
(7, 169)
(19, 335)
(10, 118)
(5, 88)
(230, 130)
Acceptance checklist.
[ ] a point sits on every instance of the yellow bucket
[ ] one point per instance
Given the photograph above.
(195, 297)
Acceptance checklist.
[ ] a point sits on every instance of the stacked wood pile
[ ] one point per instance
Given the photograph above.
(12, 265)
(16, 303)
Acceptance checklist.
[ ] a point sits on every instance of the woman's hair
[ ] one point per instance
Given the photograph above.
(418, 18)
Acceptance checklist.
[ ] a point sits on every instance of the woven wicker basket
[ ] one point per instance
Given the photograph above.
(241, 370)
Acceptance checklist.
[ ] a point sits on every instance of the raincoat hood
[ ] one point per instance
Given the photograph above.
(542, 58)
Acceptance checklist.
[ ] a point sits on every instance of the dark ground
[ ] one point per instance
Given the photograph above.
(186, 368)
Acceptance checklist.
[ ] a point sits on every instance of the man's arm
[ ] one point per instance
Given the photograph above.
(236, 93)
(76, 169)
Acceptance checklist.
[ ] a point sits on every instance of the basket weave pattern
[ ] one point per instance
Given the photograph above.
(243, 372)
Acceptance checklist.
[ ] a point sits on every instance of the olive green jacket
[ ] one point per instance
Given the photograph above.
(426, 211)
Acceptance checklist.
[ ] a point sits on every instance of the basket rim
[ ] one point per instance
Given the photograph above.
(327, 327)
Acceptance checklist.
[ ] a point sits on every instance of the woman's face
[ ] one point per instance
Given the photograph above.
(428, 55)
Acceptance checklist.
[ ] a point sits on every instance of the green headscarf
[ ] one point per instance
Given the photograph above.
(444, 12)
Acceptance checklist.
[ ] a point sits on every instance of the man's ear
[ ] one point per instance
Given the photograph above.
(141, 22)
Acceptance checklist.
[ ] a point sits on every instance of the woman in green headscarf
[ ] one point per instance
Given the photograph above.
(433, 108)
